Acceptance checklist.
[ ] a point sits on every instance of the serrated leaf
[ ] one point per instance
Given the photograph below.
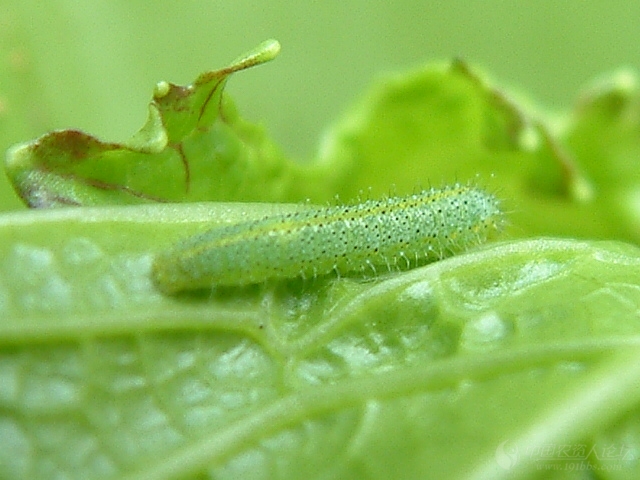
(194, 147)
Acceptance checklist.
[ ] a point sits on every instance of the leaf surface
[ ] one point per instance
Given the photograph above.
(484, 365)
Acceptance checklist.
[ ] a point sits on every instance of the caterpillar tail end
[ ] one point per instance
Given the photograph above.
(164, 277)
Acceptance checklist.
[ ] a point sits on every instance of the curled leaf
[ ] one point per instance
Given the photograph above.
(193, 147)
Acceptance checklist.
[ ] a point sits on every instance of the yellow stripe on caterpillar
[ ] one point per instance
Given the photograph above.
(396, 231)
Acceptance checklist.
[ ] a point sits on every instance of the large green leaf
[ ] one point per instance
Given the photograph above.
(427, 372)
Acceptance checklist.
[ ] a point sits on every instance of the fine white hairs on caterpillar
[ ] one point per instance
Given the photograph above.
(396, 232)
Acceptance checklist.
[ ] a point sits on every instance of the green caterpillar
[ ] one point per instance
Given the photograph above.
(396, 232)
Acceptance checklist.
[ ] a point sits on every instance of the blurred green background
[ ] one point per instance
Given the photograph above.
(92, 65)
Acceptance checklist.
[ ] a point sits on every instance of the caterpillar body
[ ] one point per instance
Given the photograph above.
(396, 232)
